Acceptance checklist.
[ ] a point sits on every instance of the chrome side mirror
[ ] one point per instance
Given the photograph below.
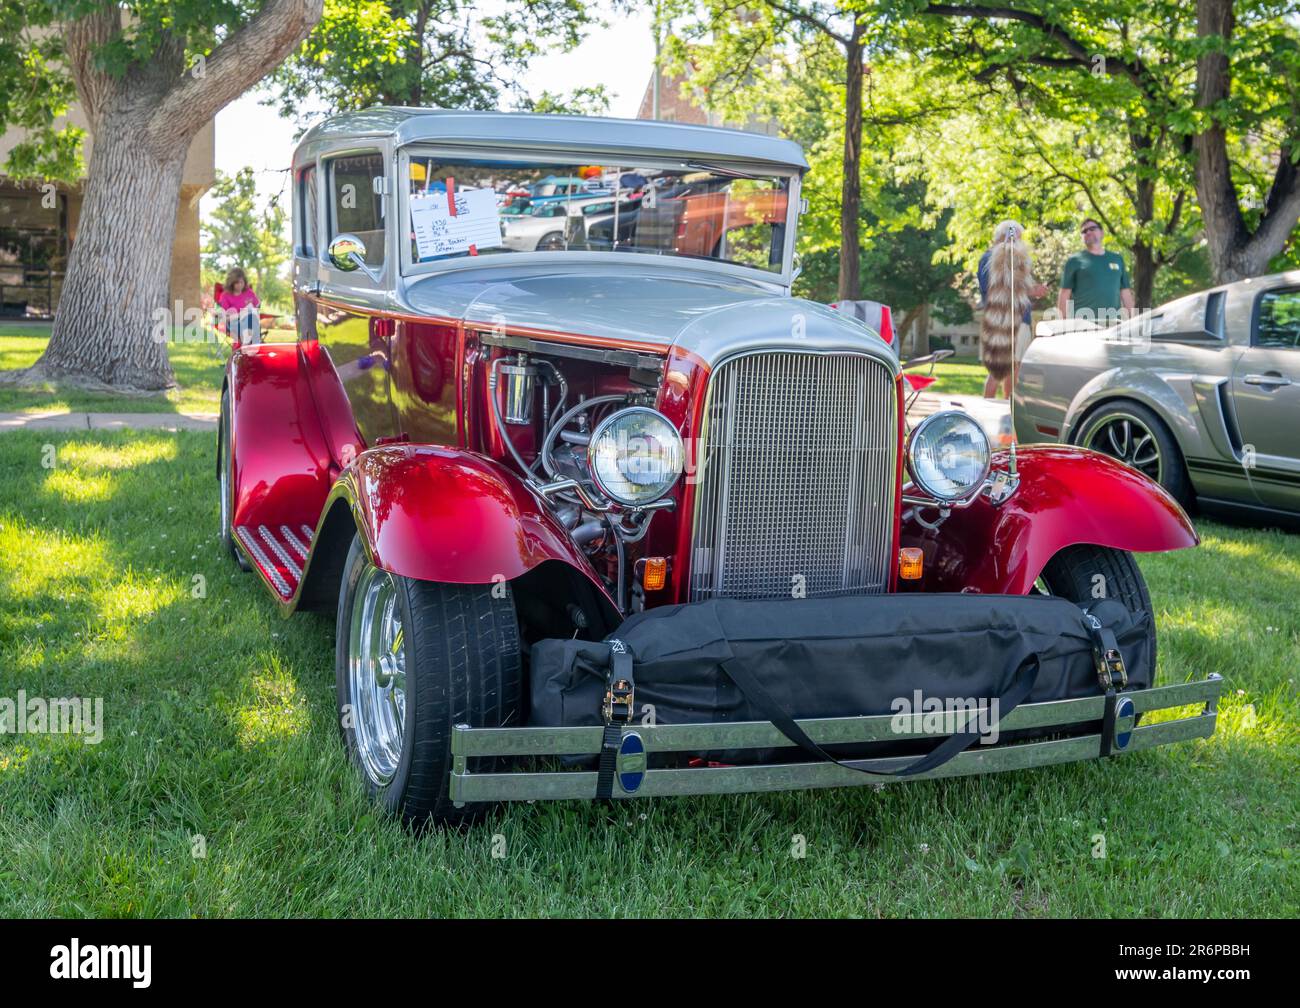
(347, 252)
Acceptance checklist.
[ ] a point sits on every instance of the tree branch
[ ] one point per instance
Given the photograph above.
(804, 17)
(1079, 54)
(83, 38)
(239, 62)
(1282, 206)
(1083, 186)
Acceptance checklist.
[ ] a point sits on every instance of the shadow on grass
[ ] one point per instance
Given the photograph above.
(198, 366)
(220, 728)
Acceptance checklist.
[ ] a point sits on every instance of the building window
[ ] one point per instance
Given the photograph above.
(33, 250)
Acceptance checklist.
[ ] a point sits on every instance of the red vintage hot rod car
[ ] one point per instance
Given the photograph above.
(493, 465)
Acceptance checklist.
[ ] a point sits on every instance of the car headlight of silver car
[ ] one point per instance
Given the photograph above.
(948, 455)
(635, 456)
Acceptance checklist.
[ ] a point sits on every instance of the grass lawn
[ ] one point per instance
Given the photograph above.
(219, 723)
(198, 368)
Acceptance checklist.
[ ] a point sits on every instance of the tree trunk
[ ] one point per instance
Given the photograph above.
(1144, 260)
(903, 330)
(921, 332)
(108, 330)
(1224, 228)
(1235, 252)
(850, 284)
(119, 269)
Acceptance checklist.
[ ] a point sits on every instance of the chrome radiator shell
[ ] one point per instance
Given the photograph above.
(797, 476)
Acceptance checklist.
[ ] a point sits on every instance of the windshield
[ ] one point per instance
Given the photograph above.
(700, 210)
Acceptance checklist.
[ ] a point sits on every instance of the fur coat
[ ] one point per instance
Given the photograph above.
(1010, 268)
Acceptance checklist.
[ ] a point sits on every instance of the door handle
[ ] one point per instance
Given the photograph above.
(1266, 379)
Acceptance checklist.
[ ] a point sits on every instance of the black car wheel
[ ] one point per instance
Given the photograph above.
(1133, 434)
(1086, 573)
(414, 659)
(553, 242)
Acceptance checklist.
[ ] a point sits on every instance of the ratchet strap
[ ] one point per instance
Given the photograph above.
(1024, 677)
(1111, 674)
(617, 711)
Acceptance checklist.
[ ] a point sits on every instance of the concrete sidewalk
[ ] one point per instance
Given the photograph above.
(60, 421)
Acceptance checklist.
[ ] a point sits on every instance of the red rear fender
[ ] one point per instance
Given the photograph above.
(282, 471)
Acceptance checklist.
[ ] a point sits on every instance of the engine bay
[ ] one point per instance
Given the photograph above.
(579, 424)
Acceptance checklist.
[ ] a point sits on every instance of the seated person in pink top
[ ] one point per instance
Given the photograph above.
(240, 304)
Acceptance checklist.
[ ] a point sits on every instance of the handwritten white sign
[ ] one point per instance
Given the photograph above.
(438, 232)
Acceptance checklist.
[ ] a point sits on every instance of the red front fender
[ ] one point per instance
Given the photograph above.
(440, 514)
(1067, 496)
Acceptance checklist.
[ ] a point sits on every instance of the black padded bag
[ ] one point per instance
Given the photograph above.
(839, 657)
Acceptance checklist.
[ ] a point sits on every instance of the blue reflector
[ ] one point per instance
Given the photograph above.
(1123, 709)
(631, 762)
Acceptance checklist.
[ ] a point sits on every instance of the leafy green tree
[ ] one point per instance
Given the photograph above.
(148, 74)
(735, 49)
(901, 239)
(33, 93)
(239, 233)
(902, 262)
(591, 100)
(435, 53)
(1004, 159)
(1209, 92)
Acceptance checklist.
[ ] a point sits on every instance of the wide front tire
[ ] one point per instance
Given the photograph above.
(226, 482)
(1084, 574)
(414, 659)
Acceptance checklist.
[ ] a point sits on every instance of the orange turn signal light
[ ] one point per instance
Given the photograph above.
(655, 575)
(910, 563)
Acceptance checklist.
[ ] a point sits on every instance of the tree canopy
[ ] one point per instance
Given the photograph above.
(1175, 125)
(148, 75)
(437, 53)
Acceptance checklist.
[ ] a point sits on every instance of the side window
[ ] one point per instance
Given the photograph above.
(355, 207)
(308, 222)
(1279, 320)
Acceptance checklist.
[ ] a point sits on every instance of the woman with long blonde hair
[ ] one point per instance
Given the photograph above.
(1007, 286)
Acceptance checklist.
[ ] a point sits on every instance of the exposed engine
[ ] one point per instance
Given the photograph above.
(580, 424)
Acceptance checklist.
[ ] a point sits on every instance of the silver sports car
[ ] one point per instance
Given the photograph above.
(1201, 394)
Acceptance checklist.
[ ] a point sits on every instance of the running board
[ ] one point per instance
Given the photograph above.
(278, 552)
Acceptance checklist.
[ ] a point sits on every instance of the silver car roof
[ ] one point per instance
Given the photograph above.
(516, 130)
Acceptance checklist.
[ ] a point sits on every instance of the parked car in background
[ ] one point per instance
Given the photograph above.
(542, 225)
(1201, 394)
(482, 459)
(594, 226)
(555, 187)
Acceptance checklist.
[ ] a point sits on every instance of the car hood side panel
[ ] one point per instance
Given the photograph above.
(708, 316)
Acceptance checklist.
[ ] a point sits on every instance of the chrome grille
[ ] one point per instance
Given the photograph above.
(796, 477)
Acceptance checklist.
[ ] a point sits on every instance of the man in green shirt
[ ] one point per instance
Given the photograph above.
(1094, 283)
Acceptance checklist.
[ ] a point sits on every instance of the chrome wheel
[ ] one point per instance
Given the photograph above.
(1125, 437)
(377, 675)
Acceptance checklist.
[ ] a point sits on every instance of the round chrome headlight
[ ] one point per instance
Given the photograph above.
(948, 455)
(635, 456)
